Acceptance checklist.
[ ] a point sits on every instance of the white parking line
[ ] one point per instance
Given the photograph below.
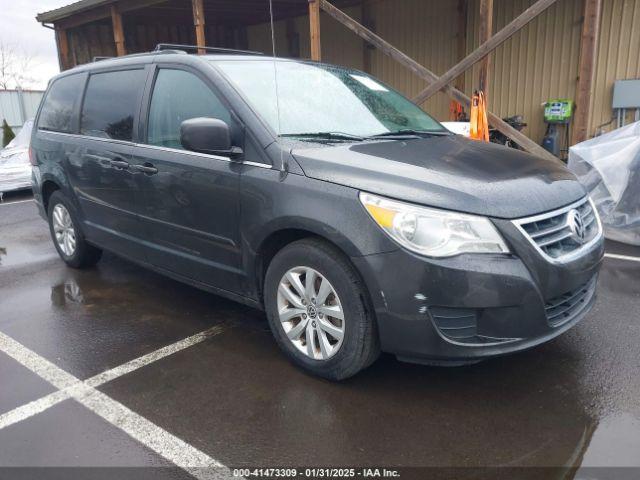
(154, 356)
(189, 458)
(4, 204)
(32, 408)
(66, 382)
(38, 365)
(170, 447)
(622, 257)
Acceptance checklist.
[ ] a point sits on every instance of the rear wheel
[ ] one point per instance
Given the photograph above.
(317, 310)
(67, 237)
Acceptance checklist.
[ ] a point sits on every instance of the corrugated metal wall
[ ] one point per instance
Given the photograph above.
(537, 64)
(426, 31)
(11, 110)
(618, 55)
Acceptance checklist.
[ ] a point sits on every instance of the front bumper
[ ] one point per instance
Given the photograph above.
(465, 308)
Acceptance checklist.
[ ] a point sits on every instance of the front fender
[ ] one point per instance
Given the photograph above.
(272, 204)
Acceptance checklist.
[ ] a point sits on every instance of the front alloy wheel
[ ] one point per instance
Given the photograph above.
(318, 311)
(311, 313)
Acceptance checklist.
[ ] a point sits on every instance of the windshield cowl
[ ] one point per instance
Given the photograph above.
(340, 137)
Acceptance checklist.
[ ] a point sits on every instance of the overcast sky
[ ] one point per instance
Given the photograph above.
(18, 26)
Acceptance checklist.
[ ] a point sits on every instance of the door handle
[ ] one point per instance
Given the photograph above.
(104, 161)
(147, 168)
(121, 164)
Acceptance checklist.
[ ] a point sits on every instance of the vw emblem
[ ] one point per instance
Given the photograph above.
(312, 311)
(576, 226)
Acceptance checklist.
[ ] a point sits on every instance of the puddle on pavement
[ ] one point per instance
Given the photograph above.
(614, 442)
(89, 320)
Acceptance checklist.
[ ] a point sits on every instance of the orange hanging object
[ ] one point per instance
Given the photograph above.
(479, 128)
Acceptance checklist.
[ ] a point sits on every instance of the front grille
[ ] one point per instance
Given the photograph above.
(564, 308)
(552, 235)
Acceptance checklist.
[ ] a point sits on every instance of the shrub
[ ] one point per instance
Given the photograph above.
(7, 134)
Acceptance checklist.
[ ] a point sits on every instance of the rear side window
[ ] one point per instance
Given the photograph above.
(111, 104)
(58, 107)
(178, 96)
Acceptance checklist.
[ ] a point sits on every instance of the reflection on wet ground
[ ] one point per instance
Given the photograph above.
(572, 403)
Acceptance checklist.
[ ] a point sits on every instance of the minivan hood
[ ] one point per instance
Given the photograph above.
(449, 172)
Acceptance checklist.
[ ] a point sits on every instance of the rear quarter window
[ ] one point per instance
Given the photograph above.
(111, 103)
(60, 103)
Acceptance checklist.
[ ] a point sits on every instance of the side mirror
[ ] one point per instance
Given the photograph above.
(208, 135)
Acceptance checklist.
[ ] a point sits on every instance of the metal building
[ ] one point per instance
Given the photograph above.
(18, 106)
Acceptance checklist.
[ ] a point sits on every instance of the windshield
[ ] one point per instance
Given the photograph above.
(315, 98)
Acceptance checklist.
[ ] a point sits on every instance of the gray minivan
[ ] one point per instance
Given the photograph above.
(321, 195)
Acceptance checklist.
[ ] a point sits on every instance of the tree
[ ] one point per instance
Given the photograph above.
(7, 134)
(15, 65)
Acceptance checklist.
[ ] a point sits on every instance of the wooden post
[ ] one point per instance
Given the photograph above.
(496, 40)
(198, 22)
(586, 68)
(118, 32)
(486, 28)
(63, 48)
(314, 30)
(430, 77)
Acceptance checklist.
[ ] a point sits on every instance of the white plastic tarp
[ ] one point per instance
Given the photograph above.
(609, 167)
(15, 168)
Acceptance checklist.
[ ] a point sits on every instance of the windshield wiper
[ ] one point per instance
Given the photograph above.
(408, 132)
(326, 136)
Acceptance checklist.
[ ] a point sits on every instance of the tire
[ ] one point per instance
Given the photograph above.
(82, 255)
(359, 345)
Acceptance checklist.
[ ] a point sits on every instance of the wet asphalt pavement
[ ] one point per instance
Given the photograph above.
(572, 404)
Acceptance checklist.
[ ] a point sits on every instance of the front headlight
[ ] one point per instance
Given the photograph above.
(431, 232)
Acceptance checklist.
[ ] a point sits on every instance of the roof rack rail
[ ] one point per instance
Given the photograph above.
(194, 48)
(99, 59)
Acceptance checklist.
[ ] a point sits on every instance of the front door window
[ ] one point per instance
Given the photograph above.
(179, 96)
